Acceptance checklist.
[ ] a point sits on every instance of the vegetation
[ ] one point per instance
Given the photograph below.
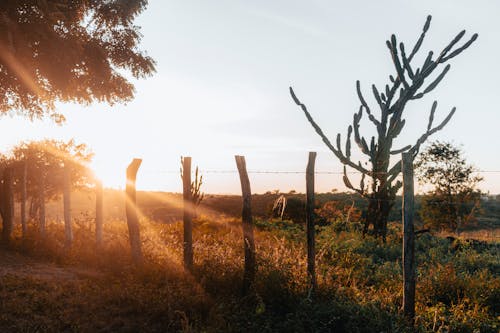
(46, 159)
(406, 86)
(359, 281)
(68, 51)
(454, 200)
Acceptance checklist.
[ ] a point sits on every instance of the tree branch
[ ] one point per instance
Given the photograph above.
(318, 130)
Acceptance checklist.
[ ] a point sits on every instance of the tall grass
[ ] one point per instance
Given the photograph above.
(359, 282)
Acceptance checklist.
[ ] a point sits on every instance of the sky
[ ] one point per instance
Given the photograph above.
(221, 89)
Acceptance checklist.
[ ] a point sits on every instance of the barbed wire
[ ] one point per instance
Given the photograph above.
(213, 171)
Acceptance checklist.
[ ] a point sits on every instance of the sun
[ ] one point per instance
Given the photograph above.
(108, 174)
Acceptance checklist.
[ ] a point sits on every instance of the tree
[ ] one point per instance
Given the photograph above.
(46, 159)
(79, 50)
(454, 200)
(406, 86)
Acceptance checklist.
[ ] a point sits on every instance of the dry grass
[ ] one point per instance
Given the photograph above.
(359, 282)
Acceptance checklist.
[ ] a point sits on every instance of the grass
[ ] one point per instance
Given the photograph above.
(359, 282)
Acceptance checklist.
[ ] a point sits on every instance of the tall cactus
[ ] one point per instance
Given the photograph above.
(407, 85)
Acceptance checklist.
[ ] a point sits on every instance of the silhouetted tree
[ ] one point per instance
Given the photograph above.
(454, 200)
(47, 159)
(406, 86)
(79, 50)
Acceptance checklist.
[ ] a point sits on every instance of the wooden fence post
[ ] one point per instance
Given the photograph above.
(24, 178)
(8, 206)
(98, 212)
(248, 237)
(311, 256)
(409, 267)
(131, 211)
(188, 213)
(68, 230)
(41, 198)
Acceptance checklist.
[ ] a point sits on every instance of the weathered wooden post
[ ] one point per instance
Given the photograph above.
(248, 237)
(68, 230)
(131, 211)
(41, 199)
(409, 267)
(98, 212)
(311, 256)
(24, 178)
(188, 213)
(8, 206)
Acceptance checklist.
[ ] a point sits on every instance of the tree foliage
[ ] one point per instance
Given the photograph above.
(454, 200)
(79, 50)
(409, 83)
(46, 160)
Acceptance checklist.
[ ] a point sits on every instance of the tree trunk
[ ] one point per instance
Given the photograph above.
(311, 256)
(248, 237)
(379, 207)
(23, 198)
(188, 213)
(8, 206)
(98, 213)
(68, 230)
(131, 211)
(41, 208)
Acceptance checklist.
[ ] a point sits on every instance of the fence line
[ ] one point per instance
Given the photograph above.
(282, 172)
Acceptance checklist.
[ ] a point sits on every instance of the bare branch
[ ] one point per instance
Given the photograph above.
(399, 151)
(421, 38)
(395, 59)
(327, 142)
(349, 185)
(452, 43)
(437, 80)
(406, 62)
(460, 49)
(431, 116)
(428, 133)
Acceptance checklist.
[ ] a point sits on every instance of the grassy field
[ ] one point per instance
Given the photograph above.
(45, 288)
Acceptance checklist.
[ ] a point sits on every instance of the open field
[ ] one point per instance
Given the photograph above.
(45, 288)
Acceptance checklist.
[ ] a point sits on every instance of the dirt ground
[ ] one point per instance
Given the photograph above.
(12, 263)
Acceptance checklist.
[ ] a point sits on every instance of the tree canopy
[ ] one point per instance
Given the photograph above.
(410, 82)
(78, 50)
(454, 199)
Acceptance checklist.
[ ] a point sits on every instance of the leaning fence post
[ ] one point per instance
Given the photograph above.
(409, 266)
(98, 212)
(311, 272)
(248, 238)
(188, 213)
(68, 230)
(131, 211)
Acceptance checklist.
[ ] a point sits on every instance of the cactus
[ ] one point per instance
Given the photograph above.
(405, 86)
(196, 195)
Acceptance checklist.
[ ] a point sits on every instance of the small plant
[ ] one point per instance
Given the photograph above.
(197, 195)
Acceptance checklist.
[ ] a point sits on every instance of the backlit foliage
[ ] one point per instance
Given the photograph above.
(79, 50)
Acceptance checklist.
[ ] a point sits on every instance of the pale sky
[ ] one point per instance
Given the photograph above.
(221, 88)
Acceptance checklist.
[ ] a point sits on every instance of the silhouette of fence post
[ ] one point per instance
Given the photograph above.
(8, 205)
(68, 230)
(311, 256)
(188, 213)
(409, 266)
(98, 212)
(131, 211)
(248, 237)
